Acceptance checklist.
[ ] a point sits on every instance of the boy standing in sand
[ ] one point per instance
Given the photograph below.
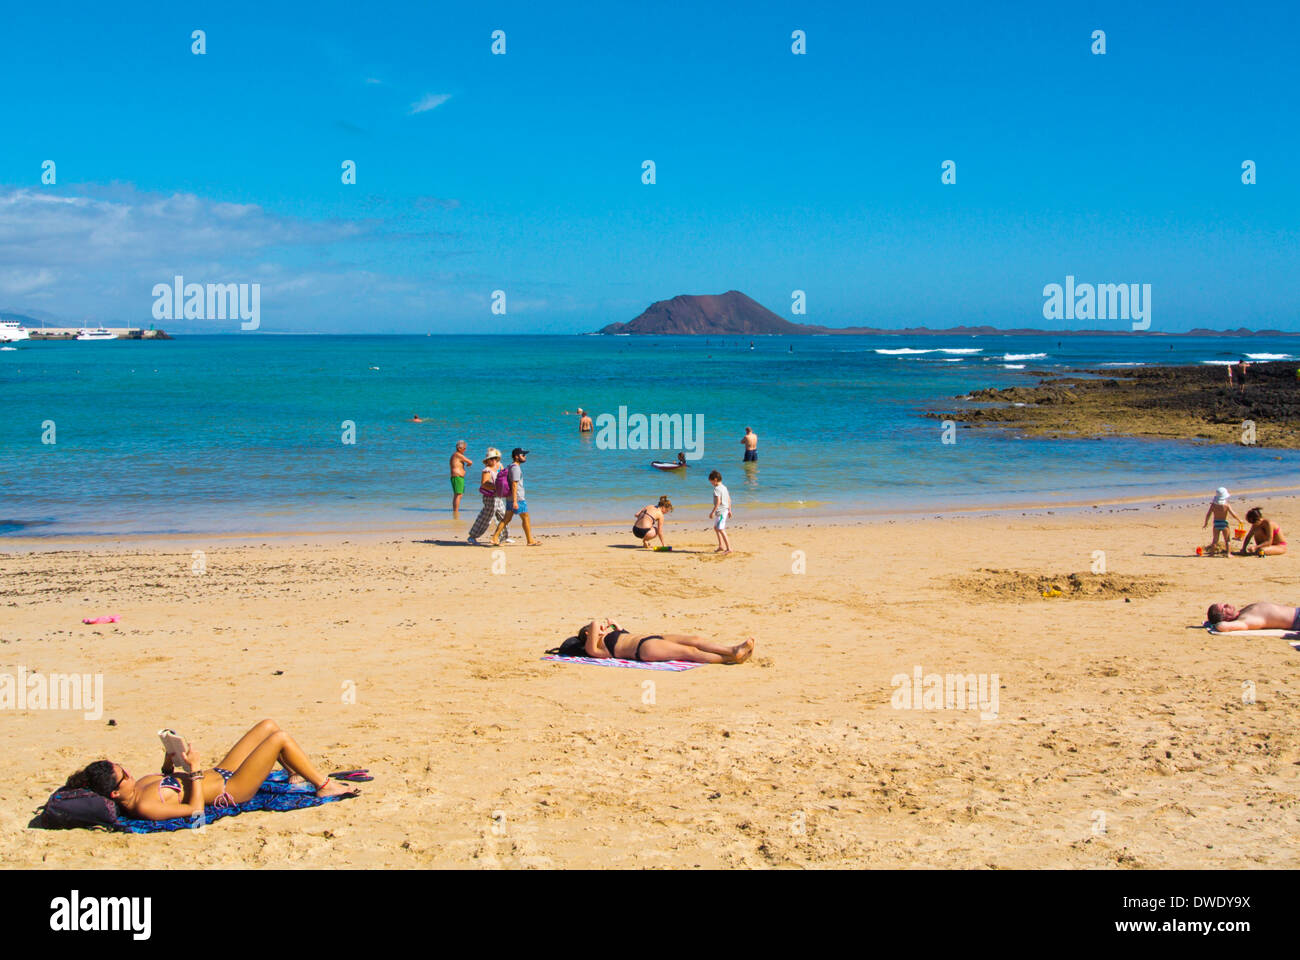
(1220, 511)
(721, 511)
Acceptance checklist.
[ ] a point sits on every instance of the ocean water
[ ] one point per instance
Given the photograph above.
(243, 433)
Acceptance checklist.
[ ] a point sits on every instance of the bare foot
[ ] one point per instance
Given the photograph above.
(297, 778)
(333, 788)
(534, 543)
(742, 651)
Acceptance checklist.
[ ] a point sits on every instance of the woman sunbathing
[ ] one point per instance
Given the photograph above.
(605, 639)
(235, 780)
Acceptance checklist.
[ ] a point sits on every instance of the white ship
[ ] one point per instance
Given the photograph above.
(95, 333)
(12, 331)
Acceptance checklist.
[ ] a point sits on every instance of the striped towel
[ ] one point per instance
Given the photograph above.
(674, 665)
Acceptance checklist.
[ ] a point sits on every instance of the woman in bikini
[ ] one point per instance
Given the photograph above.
(649, 523)
(239, 776)
(605, 639)
(1266, 534)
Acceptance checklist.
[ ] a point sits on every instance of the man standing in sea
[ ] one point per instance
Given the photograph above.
(750, 440)
(458, 464)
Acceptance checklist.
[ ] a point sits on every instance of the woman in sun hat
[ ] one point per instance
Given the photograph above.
(494, 508)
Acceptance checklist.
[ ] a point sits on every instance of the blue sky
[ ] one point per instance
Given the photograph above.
(775, 172)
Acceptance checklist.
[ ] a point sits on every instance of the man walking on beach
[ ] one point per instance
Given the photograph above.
(458, 464)
(517, 503)
(750, 440)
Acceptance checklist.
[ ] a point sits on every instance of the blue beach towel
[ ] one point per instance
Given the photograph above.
(674, 665)
(276, 795)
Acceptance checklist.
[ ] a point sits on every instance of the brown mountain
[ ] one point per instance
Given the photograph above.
(730, 313)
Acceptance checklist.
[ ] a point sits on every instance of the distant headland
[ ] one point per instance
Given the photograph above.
(735, 314)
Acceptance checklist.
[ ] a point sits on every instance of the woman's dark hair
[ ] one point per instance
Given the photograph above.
(1254, 515)
(98, 776)
(572, 647)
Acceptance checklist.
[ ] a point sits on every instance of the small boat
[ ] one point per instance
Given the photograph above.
(667, 465)
(95, 333)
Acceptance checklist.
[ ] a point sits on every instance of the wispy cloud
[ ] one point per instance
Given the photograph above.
(429, 101)
(374, 80)
(96, 252)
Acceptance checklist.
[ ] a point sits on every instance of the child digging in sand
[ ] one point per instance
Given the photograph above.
(1220, 511)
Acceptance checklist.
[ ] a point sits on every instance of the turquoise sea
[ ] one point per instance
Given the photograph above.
(209, 434)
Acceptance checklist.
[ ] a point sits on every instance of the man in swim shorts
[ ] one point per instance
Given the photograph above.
(458, 464)
(1260, 615)
(750, 440)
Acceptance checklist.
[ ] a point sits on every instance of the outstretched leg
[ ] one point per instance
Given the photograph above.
(695, 649)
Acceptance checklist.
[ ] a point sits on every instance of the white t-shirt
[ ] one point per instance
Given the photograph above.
(724, 499)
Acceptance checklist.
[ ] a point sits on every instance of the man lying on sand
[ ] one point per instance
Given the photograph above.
(605, 639)
(1260, 615)
(235, 780)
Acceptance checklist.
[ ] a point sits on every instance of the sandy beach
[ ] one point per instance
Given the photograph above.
(1121, 736)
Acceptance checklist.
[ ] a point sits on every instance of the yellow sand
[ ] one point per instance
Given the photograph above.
(1122, 738)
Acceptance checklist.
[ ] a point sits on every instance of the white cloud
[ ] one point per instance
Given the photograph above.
(96, 251)
(429, 102)
(19, 281)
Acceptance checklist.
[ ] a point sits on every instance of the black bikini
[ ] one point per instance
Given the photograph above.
(611, 639)
(653, 636)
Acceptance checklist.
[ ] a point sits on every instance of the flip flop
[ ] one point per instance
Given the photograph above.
(353, 776)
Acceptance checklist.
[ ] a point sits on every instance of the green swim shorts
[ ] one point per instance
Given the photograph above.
(457, 484)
